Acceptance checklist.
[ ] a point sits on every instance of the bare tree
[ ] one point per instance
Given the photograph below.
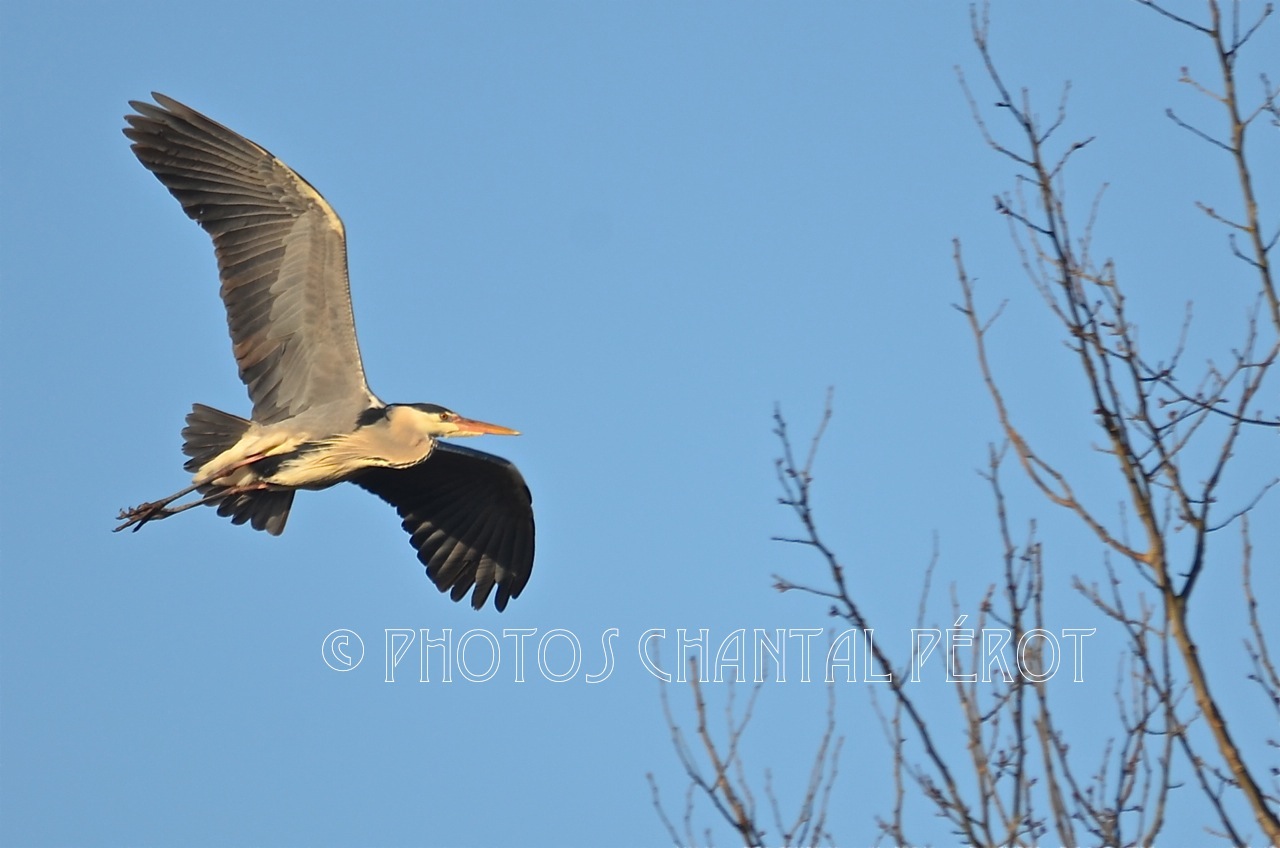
(717, 773)
(1172, 434)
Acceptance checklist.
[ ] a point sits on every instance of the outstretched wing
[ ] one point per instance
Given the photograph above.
(282, 258)
(470, 517)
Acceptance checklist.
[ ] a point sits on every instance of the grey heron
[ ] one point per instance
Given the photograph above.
(282, 261)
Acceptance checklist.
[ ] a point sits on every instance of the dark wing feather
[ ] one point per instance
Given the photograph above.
(282, 257)
(470, 517)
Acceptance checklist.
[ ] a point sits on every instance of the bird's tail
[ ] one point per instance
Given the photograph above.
(208, 433)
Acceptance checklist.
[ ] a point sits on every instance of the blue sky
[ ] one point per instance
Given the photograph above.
(628, 231)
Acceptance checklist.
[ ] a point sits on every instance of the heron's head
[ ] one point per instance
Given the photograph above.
(441, 423)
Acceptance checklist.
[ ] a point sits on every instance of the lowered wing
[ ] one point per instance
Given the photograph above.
(470, 518)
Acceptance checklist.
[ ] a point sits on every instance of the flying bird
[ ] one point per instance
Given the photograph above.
(282, 260)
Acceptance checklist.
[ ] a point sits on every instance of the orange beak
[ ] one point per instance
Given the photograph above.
(471, 427)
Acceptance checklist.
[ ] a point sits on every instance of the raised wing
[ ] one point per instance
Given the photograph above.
(282, 258)
(469, 515)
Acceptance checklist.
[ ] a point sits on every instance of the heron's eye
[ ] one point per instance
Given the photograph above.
(447, 416)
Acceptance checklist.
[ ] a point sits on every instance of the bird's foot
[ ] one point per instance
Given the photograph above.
(136, 516)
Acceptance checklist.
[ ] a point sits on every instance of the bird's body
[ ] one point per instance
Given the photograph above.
(281, 253)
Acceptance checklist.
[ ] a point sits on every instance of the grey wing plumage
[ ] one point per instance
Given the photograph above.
(470, 518)
(282, 258)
